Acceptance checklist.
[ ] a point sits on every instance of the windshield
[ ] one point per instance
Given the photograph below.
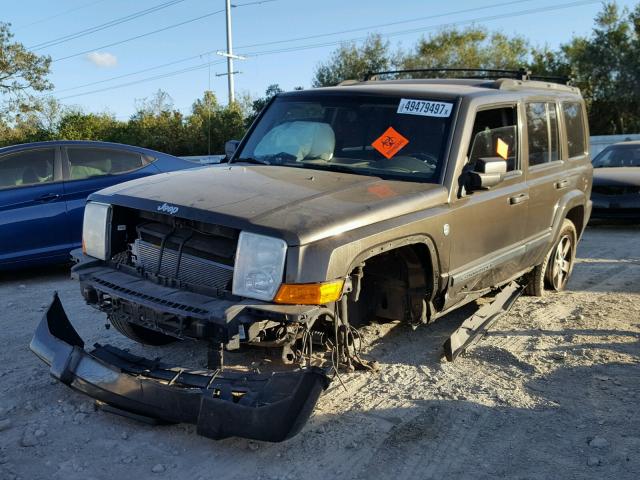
(618, 156)
(395, 138)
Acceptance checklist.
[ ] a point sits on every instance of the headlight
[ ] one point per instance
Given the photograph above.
(96, 228)
(259, 266)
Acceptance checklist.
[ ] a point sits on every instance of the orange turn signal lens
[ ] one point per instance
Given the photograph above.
(309, 293)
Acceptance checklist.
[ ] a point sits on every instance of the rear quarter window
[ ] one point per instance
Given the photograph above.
(574, 124)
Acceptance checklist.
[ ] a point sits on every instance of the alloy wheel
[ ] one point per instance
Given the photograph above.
(561, 263)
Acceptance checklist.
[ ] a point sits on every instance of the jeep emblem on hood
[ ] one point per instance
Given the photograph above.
(170, 209)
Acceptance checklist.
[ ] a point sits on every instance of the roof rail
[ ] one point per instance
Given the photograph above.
(475, 73)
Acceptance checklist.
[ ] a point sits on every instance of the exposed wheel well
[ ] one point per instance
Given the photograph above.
(576, 215)
(394, 285)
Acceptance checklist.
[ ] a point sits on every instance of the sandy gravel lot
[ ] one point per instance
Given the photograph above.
(552, 392)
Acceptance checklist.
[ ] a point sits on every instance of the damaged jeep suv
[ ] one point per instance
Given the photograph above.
(395, 199)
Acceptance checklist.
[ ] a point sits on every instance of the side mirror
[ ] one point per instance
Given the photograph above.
(230, 147)
(488, 172)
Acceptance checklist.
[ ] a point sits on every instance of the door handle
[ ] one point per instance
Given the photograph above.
(562, 184)
(47, 197)
(523, 197)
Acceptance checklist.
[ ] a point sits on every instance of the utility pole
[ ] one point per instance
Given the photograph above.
(230, 72)
(229, 54)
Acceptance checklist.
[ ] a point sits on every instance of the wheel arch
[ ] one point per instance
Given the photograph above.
(573, 207)
(423, 247)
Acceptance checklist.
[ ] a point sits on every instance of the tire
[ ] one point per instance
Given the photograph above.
(140, 334)
(554, 271)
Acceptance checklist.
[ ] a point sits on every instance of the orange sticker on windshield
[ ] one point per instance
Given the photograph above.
(389, 143)
(502, 149)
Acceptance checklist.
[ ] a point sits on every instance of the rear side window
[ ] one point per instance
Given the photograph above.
(96, 162)
(574, 122)
(27, 168)
(543, 134)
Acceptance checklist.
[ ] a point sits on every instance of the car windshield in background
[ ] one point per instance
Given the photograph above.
(618, 156)
(396, 138)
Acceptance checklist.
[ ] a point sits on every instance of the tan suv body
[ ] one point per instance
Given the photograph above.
(394, 199)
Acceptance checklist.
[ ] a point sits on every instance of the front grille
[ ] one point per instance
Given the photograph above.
(144, 296)
(616, 189)
(183, 267)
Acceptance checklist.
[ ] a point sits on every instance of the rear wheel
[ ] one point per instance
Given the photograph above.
(140, 334)
(554, 272)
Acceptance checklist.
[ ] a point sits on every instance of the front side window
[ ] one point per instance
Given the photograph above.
(543, 135)
(389, 137)
(574, 123)
(495, 134)
(96, 162)
(22, 169)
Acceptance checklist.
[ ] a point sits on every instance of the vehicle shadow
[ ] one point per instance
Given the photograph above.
(426, 340)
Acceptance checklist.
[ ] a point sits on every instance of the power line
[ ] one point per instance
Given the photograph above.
(495, 5)
(427, 28)
(325, 44)
(389, 24)
(163, 29)
(104, 26)
(117, 77)
(57, 15)
(135, 82)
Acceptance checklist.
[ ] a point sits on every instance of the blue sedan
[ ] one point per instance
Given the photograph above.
(44, 186)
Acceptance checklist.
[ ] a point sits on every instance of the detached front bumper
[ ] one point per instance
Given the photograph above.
(269, 407)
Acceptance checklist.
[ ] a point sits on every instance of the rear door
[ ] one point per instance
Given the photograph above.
(89, 169)
(32, 208)
(549, 164)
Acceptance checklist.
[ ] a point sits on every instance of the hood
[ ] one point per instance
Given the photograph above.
(299, 205)
(617, 176)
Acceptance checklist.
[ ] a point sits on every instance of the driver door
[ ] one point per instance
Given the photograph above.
(488, 226)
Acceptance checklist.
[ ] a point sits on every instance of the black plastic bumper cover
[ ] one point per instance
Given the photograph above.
(269, 407)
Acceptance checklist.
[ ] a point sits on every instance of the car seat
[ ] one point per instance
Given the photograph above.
(29, 176)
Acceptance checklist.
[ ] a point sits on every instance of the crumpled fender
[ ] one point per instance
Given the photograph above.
(262, 406)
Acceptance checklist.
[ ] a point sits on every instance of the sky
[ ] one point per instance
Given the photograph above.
(283, 40)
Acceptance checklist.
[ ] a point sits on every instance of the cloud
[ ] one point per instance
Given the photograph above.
(103, 59)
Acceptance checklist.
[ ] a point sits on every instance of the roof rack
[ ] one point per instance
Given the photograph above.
(476, 73)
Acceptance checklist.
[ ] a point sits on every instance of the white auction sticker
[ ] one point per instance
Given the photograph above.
(425, 108)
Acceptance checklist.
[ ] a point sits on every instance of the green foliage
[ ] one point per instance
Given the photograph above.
(473, 47)
(156, 124)
(352, 61)
(258, 104)
(606, 67)
(210, 125)
(21, 73)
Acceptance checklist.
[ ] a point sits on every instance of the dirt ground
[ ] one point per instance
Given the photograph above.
(551, 392)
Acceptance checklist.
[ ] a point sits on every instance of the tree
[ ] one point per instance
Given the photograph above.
(606, 67)
(258, 104)
(21, 73)
(351, 61)
(473, 47)
(210, 125)
(157, 125)
(76, 125)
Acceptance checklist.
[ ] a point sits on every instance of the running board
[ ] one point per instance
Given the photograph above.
(474, 327)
